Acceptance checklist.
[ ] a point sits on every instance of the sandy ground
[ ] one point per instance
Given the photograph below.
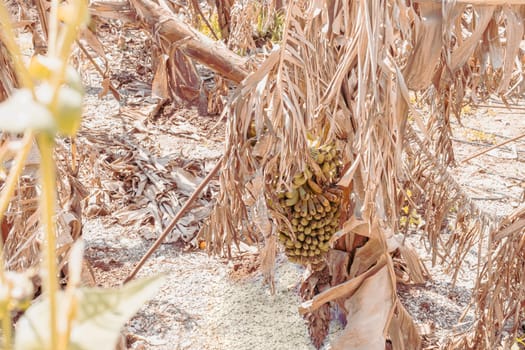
(201, 306)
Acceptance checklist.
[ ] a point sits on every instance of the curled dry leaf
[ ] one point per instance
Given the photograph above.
(368, 317)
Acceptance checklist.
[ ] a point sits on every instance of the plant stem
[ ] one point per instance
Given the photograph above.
(10, 185)
(5, 198)
(7, 337)
(52, 37)
(47, 205)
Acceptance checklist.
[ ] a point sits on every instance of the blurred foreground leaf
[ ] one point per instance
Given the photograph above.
(21, 112)
(101, 313)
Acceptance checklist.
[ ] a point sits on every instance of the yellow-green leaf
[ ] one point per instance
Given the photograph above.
(101, 313)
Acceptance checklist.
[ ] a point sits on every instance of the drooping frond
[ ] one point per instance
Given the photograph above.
(442, 195)
(499, 293)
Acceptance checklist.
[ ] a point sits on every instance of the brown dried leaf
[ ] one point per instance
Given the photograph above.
(184, 82)
(106, 83)
(186, 181)
(416, 269)
(515, 31)
(366, 256)
(461, 55)
(424, 60)
(368, 317)
(346, 289)
(499, 295)
(94, 43)
(318, 320)
(402, 330)
(318, 325)
(159, 86)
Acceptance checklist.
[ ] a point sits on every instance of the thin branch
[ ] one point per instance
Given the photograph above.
(113, 90)
(509, 109)
(173, 222)
(195, 4)
(491, 148)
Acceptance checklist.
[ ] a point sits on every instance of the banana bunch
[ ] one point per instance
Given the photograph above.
(329, 160)
(312, 208)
